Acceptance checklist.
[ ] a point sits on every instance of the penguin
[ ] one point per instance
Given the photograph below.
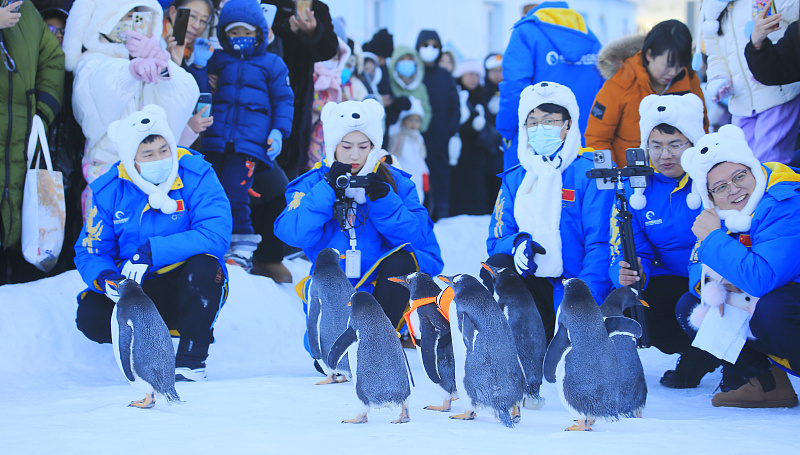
(581, 359)
(328, 311)
(525, 321)
(142, 344)
(430, 332)
(378, 365)
(632, 386)
(487, 366)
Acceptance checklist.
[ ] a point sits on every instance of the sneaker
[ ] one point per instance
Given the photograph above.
(692, 366)
(754, 393)
(239, 258)
(275, 270)
(185, 374)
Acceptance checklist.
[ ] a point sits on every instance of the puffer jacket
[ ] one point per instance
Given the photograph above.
(253, 94)
(35, 87)
(726, 59)
(614, 118)
(416, 88)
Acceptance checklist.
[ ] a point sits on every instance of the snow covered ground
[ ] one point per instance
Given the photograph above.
(65, 394)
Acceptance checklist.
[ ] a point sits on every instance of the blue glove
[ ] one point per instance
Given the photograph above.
(135, 267)
(110, 289)
(524, 249)
(275, 146)
(202, 52)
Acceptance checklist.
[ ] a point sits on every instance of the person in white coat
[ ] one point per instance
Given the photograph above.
(117, 71)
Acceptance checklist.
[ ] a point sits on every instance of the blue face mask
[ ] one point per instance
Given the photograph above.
(406, 68)
(244, 44)
(346, 73)
(544, 140)
(155, 172)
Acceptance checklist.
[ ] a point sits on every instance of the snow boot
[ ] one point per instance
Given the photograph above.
(241, 250)
(692, 366)
(769, 390)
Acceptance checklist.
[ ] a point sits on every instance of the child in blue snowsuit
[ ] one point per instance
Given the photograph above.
(253, 106)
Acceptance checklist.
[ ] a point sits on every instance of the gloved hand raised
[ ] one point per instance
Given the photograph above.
(337, 169)
(524, 249)
(141, 46)
(147, 70)
(202, 52)
(718, 89)
(110, 290)
(136, 266)
(377, 187)
(275, 143)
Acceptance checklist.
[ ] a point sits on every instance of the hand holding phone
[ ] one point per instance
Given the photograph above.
(202, 102)
(302, 6)
(9, 13)
(767, 20)
(181, 24)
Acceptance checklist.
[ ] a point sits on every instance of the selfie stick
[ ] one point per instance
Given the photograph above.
(624, 221)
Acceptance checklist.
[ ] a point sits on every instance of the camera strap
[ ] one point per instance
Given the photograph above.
(352, 257)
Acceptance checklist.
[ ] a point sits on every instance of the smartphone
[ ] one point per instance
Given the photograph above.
(8, 2)
(637, 157)
(759, 6)
(602, 160)
(302, 5)
(203, 101)
(269, 13)
(143, 23)
(120, 29)
(180, 25)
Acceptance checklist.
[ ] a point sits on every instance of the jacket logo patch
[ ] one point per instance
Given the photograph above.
(93, 231)
(498, 214)
(744, 239)
(650, 221)
(552, 58)
(180, 205)
(598, 110)
(567, 195)
(296, 200)
(120, 218)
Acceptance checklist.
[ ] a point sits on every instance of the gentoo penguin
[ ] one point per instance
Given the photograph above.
(581, 359)
(142, 344)
(523, 317)
(328, 299)
(632, 386)
(430, 331)
(378, 364)
(487, 366)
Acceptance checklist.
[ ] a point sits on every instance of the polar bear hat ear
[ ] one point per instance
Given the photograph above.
(339, 119)
(726, 145)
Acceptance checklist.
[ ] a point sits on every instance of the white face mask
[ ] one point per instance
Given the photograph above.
(545, 140)
(428, 53)
(155, 172)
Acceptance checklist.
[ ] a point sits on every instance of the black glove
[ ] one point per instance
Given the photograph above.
(337, 169)
(377, 187)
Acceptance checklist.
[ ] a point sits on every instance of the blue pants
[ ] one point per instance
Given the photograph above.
(235, 172)
(775, 324)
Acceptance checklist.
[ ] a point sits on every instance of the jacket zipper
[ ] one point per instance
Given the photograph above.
(739, 59)
(232, 125)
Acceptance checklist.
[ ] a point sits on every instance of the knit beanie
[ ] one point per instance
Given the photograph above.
(382, 44)
(469, 66)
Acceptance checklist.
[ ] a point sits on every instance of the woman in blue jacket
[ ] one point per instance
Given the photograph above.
(748, 235)
(391, 228)
(550, 221)
(159, 216)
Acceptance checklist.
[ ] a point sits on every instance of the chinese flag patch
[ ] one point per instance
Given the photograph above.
(744, 239)
(567, 195)
(180, 205)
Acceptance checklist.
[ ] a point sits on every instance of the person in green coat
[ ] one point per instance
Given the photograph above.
(31, 82)
(406, 72)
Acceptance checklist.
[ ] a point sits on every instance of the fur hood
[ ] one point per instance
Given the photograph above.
(613, 54)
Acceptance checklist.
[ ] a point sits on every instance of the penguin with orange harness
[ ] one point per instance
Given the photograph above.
(430, 332)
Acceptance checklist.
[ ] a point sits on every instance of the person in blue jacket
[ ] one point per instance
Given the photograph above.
(748, 235)
(390, 227)
(551, 43)
(662, 224)
(158, 216)
(253, 105)
(550, 221)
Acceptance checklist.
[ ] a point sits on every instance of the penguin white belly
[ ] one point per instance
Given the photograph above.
(459, 354)
(560, 373)
(352, 355)
(115, 339)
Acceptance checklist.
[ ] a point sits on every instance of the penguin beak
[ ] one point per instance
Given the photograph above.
(488, 268)
(112, 284)
(644, 303)
(341, 256)
(445, 279)
(349, 303)
(395, 279)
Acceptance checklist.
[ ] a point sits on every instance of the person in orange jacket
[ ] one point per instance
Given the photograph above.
(633, 69)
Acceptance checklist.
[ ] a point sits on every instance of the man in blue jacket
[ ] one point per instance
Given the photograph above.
(662, 223)
(551, 43)
(160, 216)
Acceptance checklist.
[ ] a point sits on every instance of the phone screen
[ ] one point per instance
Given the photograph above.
(302, 5)
(203, 101)
(8, 2)
(759, 6)
(181, 23)
(637, 157)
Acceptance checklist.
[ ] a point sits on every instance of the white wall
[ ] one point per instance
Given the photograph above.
(473, 27)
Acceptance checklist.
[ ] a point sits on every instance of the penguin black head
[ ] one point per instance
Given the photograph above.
(125, 286)
(577, 294)
(619, 300)
(365, 308)
(329, 256)
(419, 284)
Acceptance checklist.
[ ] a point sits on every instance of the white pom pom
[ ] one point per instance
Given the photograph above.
(710, 27)
(693, 201)
(738, 222)
(697, 316)
(638, 200)
(157, 200)
(714, 294)
(170, 206)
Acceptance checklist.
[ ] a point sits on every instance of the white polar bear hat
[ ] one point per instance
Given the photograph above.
(128, 133)
(684, 112)
(727, 144)
(339, 119)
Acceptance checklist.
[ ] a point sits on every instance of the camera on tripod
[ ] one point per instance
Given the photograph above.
(344, 205)
(351, 181)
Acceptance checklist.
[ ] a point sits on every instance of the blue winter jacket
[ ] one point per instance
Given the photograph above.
(120, 221)
(584, 225)
(393, 221)
(253, 95)
(662, 230)
(764, 258)
(542, 51)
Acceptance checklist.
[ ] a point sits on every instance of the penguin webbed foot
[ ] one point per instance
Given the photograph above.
(445, 407)
(333, 378)
(145, 403)
(404, 418)
(468, 415)
(516, 415)
(361, 418)
(581, 425)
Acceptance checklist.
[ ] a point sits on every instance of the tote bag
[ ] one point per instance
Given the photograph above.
(43, 207)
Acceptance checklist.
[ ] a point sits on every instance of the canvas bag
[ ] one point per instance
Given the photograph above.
(43, 207)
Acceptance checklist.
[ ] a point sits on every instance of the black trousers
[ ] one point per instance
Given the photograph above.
(540, 288)
(662, 294)
(264, 211)
(393, 297)
(188, 299)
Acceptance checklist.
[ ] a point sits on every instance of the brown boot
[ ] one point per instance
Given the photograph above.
(275, 270)
(752, 394)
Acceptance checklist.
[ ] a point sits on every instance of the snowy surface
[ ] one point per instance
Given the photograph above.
(65, 394)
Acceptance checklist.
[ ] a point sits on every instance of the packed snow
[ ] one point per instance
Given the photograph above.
(65, 394)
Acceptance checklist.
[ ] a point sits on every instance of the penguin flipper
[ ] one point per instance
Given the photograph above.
(339, 348)
(468, 332)
(555, 350)
(125, 348)
(428, 351)
(621, 324)
(313, 327)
